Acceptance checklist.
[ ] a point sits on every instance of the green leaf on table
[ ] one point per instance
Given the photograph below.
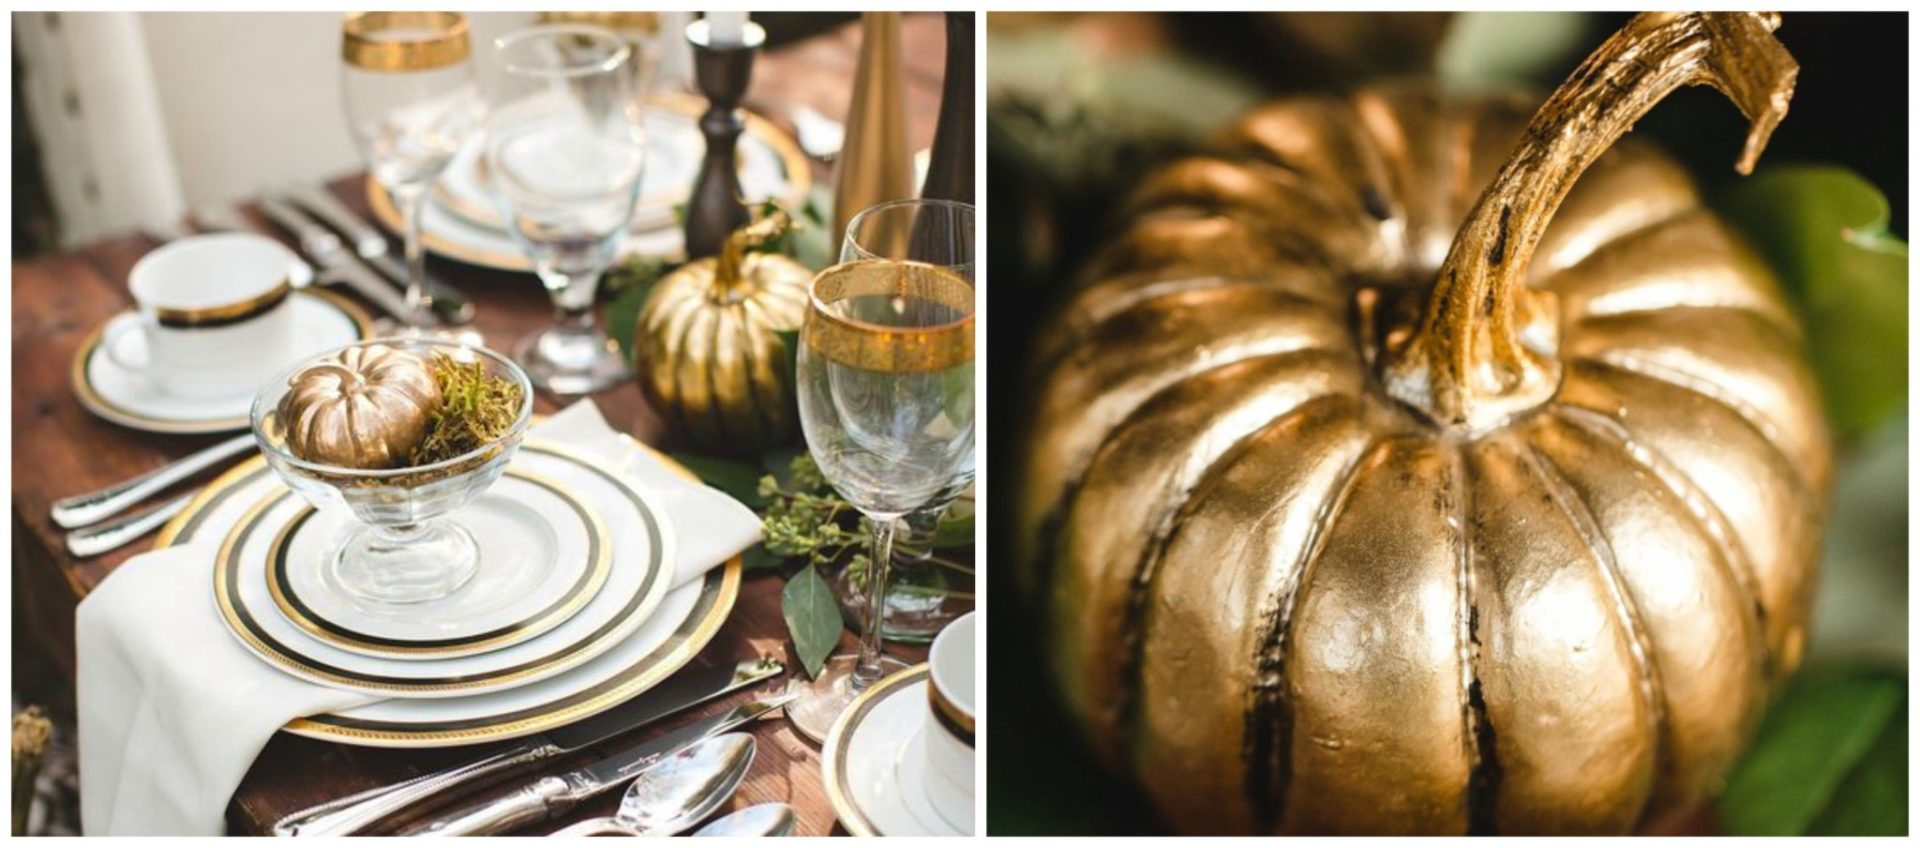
(813, 618)
(953, 531)
(758, 558)
(630, 283)
(1819, 762)
(1823, 229)
(740, 480)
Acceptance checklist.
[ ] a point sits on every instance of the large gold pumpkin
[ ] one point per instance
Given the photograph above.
(710, 354)
(1336, 528)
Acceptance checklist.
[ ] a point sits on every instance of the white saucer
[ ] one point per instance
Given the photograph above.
(771, 166)
(683, 624)
(873, 762)
(322, 320)
(544, 554)
(642, 569)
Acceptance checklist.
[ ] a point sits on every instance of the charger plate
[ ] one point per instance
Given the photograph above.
(685, 621)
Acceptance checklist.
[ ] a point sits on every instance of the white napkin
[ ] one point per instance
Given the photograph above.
(173, 710)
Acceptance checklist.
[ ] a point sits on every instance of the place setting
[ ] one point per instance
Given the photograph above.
(425, 534)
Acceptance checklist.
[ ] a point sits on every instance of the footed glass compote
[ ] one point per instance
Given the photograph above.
(356, 406)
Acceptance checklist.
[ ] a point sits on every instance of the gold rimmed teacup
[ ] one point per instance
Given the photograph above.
(404, 41)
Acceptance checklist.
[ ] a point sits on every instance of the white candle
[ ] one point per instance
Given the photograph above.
(726, 29)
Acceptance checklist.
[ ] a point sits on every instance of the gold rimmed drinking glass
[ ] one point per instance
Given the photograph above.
(885, 385)
(924, 593)
(411, 100)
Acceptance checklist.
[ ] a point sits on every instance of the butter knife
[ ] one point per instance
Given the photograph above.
(357, 812)
(370, 244)
(336, 264)
(555, 794)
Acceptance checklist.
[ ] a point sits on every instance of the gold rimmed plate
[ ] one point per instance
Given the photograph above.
(321, 320)
(545, 553)
(874, 762)
(642, 553)
(463, 223)
(684, 622)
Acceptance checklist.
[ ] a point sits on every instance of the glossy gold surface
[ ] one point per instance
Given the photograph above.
(1287, 601)
(711, 357)
(404, 41)
(368, 407)
(832, 332)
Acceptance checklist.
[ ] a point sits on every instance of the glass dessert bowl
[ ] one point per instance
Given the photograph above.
(401, 432)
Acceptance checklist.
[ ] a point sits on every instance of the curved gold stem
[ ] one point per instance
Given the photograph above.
(729, 270)
(1487, 348)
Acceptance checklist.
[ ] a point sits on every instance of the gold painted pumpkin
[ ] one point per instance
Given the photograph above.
(1354, 504)
(367, 408)
(710, 355)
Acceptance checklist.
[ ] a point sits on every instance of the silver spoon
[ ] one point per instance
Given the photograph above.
(770, 819)
(677, 792)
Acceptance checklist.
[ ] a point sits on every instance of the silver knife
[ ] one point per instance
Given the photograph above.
(552, 795)
(336, 264)
(357, 812)
(371, 245)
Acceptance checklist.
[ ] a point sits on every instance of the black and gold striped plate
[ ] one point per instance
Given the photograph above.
(686, 619)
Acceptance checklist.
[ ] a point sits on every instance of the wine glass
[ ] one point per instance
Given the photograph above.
(920, 599)
(411, 102)
(566, 148)
(885, 386)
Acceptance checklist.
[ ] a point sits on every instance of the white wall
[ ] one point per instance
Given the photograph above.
(179, 109)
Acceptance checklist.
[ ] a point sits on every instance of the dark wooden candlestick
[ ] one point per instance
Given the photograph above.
(950, 165)
(716, 209)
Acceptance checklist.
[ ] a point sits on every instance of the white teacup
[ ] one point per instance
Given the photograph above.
(213, 316)
(950, 714)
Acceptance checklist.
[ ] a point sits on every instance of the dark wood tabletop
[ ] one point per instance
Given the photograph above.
(60, 449)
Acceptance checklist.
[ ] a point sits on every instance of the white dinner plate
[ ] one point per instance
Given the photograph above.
(684, 622)
(462, 221)
(544, 554)
(642, 552)
(874, 763)
(322, 320)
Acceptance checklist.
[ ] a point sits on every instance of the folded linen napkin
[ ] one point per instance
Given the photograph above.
(173, 710)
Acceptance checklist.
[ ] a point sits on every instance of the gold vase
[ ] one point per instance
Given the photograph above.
(875, 164)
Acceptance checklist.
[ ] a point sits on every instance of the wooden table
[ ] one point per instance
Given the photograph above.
(60, 449)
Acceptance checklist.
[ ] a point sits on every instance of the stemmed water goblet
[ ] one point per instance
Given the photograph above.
(566, 148)
(408, 86)
(885, 387)
(920, 594)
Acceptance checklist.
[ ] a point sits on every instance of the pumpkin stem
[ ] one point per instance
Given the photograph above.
(1487, 348)
(729, 274)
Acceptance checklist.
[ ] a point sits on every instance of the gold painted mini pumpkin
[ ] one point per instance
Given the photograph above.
(367, 408)
(1336, 528)
(708, 345)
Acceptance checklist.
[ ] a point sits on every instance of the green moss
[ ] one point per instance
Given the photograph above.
(475, 408)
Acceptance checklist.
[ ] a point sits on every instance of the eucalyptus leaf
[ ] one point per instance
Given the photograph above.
(813, 618)
(1486, 51)
(1815, 762)
(740, 480)
(953, 531)
(631, 283)
(1823, 229)
(758, 558)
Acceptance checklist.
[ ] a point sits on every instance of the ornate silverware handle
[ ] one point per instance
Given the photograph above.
(107, 535)
(81, 510)
(537, 801)
(359, 811)
(449, 303)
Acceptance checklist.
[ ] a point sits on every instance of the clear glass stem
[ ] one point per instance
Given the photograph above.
(868, 669)
(413, 201)
(914, 542)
